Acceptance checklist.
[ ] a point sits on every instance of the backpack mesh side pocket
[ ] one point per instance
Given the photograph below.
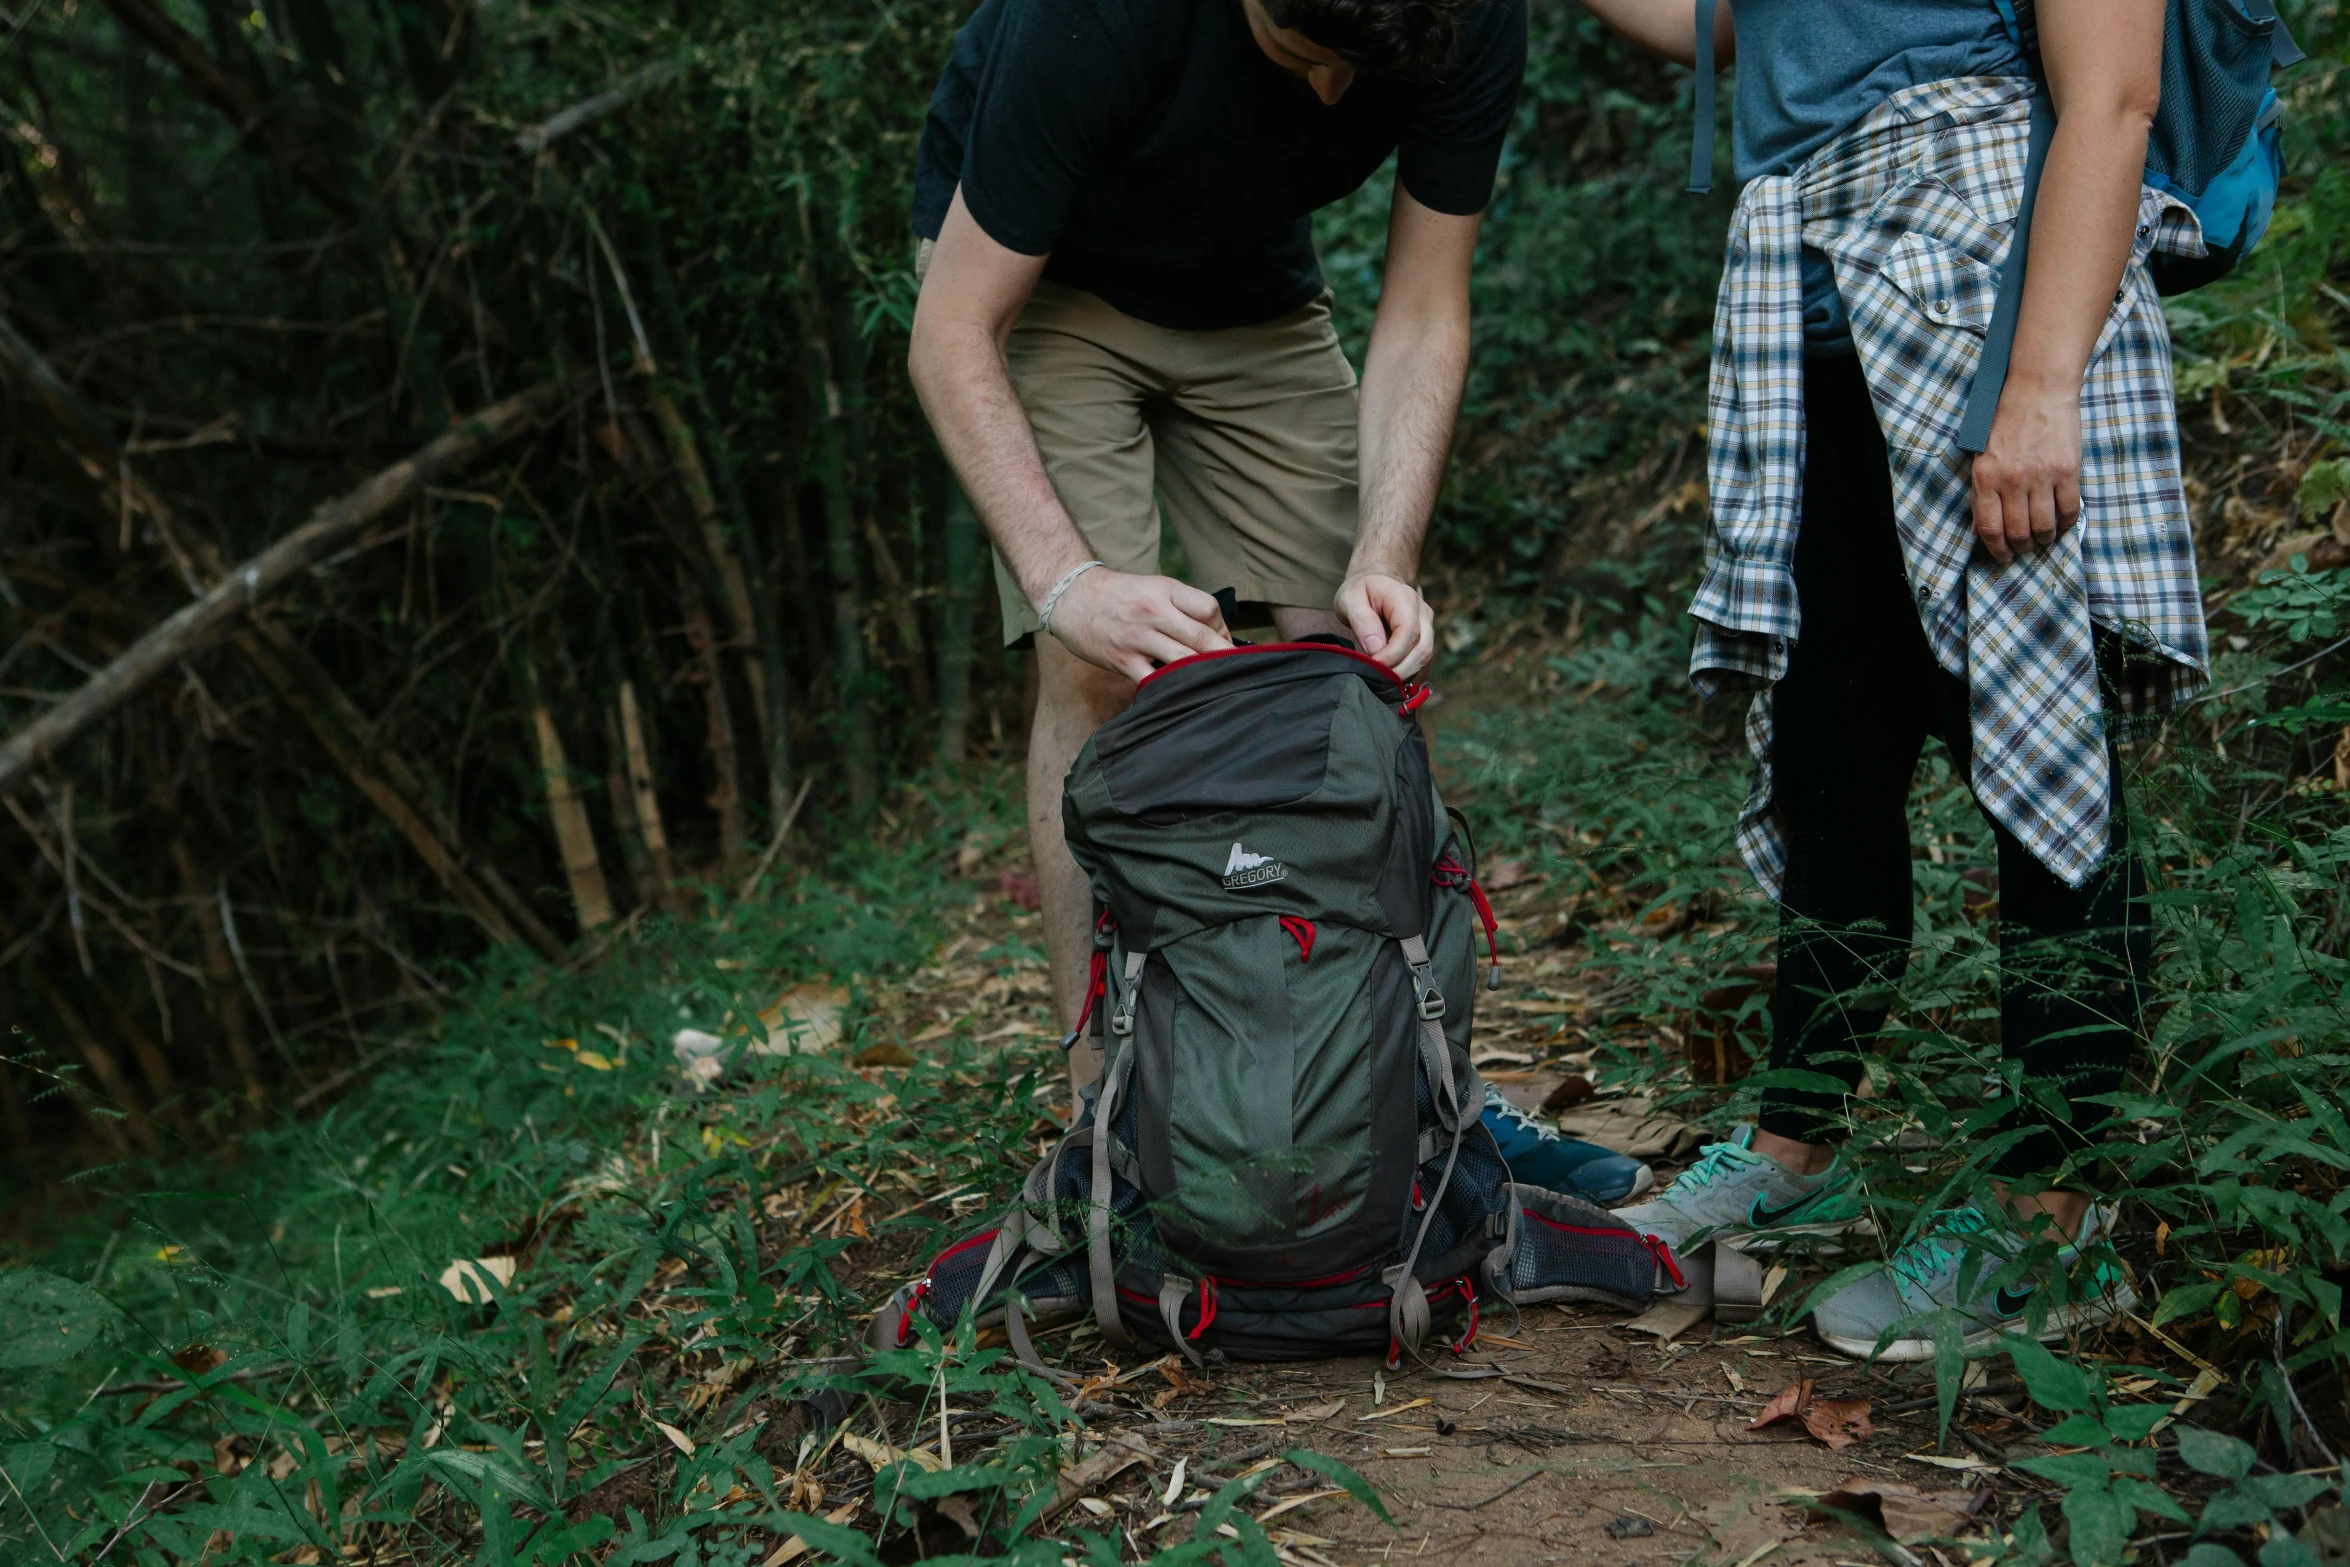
(1568, 1249)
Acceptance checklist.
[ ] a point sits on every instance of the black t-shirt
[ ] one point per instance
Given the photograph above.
(1169, 167)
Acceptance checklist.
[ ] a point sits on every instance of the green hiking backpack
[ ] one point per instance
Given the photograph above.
(1284, 1158)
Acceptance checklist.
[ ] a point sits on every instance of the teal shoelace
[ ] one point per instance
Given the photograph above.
(1941, 1249)
(1715, 1160)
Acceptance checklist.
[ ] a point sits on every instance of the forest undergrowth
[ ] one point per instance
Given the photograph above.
(420, 1245)
(538, 1290)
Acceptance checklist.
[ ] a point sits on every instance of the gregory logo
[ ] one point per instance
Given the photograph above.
(1244, 869)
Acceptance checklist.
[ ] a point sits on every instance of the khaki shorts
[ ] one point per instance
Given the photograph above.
(1244, 438)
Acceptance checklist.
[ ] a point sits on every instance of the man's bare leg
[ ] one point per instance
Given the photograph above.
(1073, 699)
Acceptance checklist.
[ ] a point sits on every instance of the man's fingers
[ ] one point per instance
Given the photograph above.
(1195, 605)
(1362, 618)
(1191, 634)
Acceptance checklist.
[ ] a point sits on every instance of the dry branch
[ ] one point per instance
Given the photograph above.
(589, 110)
(330, 526)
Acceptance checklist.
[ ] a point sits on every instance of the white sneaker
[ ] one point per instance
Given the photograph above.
(1733, 1191)
(1932, 1274)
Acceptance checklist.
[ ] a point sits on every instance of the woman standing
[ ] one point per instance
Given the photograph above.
(1872, 585)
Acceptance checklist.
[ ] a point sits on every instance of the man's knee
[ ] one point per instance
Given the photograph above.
(1070, 691)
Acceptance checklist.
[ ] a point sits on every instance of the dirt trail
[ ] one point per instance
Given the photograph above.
(1564, 1437)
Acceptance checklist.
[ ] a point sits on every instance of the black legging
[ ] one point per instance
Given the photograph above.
(1861, 694)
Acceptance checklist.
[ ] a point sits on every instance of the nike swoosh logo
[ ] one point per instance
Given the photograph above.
(2010, 1303)
(1763, 1218)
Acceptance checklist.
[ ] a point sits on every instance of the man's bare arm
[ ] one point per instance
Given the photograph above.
(1667, 28)
(972, 294)
(1412, 375)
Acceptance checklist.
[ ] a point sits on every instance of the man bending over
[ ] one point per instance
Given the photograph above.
(1121, 311)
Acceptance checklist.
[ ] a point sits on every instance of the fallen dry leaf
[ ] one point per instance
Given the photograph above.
(469, 1279)
(1314, 1412)
(877, 1454)
(1838, 1423)
(795, 1547)
(677, 1439)
(1904, 1514)
(1787, 1401)
(1079, 1479)
(804, 1019)
(1394, 1409)
(1571, 1091)
(1502, 875)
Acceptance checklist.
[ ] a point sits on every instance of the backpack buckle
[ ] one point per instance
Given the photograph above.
(1122, 1022)
(1431, 999)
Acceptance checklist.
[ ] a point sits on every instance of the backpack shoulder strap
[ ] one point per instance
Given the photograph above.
(1974, 429)
(1701, 146)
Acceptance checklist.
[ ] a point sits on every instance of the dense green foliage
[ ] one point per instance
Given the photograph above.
(737, 526)
(224, 923)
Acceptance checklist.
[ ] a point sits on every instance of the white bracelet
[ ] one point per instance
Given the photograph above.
(1052, 600)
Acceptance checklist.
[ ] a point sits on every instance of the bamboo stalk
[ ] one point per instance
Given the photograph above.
(647, 801)
(574, 835)
(965, 560)
(726, 787)
(101, 1062)
(220, 974)
(622, 799)
(693, 476)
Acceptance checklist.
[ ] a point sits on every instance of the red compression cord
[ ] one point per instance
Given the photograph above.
(1207, 1306)
(1452, 873)
(1097, 976)
(1300, 931)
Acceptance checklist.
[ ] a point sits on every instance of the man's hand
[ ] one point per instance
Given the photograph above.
(2028, 479)
(1132, 624)
(1390, 621)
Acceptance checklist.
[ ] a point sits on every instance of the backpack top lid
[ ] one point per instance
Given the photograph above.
(1284, 778)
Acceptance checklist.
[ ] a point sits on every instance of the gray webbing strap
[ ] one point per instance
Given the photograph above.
(1172, 1288)
(1701, 149)
(1738, 1285)
(1982, 401)
(1100, 1267)
(1023, 1347)
(1435, 1052)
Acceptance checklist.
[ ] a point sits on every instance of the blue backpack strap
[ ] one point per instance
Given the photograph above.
(1974, 430)
(1701, 147)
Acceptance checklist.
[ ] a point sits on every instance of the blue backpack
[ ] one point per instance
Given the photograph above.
(2214, 146)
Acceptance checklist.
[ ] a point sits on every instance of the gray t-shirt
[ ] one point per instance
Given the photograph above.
(1810, 71)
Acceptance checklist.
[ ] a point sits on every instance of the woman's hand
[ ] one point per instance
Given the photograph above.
(2028, 479)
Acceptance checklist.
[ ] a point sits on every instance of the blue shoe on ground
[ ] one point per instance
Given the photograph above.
(1541, 1157)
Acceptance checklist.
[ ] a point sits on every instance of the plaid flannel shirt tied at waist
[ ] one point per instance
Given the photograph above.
(1913, 207)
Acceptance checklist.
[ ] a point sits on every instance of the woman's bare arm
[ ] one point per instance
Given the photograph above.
(1667, 28)
(2104, 65)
